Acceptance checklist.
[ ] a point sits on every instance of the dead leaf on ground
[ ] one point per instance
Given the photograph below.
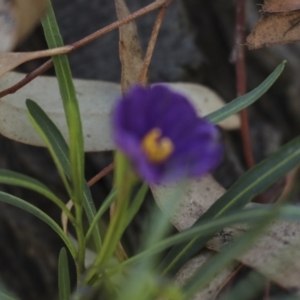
(275, 255)
(279, 24)
(17, 19)
(275, 29)
(11, 60)
(280, 5)
(130, 50)
(96, 101)
(196, 196)
(193, 265)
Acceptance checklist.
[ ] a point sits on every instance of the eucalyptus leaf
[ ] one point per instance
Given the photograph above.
(248, 186)
(96, 101)
(193, 265)
(210, 226)
(227, 256)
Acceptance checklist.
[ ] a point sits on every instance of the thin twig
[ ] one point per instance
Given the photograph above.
(101, 174)
(29, 77)
(152, 43)
(241, 78)
(43, 68)
(117, 24)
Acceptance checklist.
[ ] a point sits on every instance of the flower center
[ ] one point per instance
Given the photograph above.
(157, 149)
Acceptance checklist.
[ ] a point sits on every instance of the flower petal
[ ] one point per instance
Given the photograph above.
(196, 142)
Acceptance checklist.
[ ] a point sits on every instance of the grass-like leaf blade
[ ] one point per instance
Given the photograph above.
(59, 151)
(53, 139)
(244, 101)
(231, 252)
(17, 179)
(70, 102)
(20, 203)
(209, 227)
(103, 208)
(5, 294)
(64, 285)
(248, 186)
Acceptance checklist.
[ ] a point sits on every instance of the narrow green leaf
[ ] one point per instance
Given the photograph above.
(104, 207)
(248, 186)
(5, 294)
(20, 203)
(17, 179)
(59, 151)
(70, 102)
(53, 139)
(64, 285)
(209, 227)
(242, 102)
(76, 143)
(231, 252)
(137, 203)
(255, 280)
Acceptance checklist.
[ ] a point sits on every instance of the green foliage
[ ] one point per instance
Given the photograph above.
(248, 186)
(64, 284)
(146, 274)
(70, 102)
(5, 294)
(242, 102)
(59, 151)
(15, 201)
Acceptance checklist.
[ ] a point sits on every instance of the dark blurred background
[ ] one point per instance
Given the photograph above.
(194, 45)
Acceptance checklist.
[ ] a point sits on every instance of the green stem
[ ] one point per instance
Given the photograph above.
(104, 207)
(80, 267)
(124, 180)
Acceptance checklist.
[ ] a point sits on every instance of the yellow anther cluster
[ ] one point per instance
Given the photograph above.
(157, 149)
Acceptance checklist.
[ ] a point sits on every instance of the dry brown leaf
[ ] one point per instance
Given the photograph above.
(189, 269)
(281, 5)
(96, 101)
(130, 50)
(275, 255)
(64, 217)
(279, 24)
(275, 29)
(17, 19)
(11, 60)
(197, 195)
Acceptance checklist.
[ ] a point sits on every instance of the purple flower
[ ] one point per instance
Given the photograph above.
(163, 137)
